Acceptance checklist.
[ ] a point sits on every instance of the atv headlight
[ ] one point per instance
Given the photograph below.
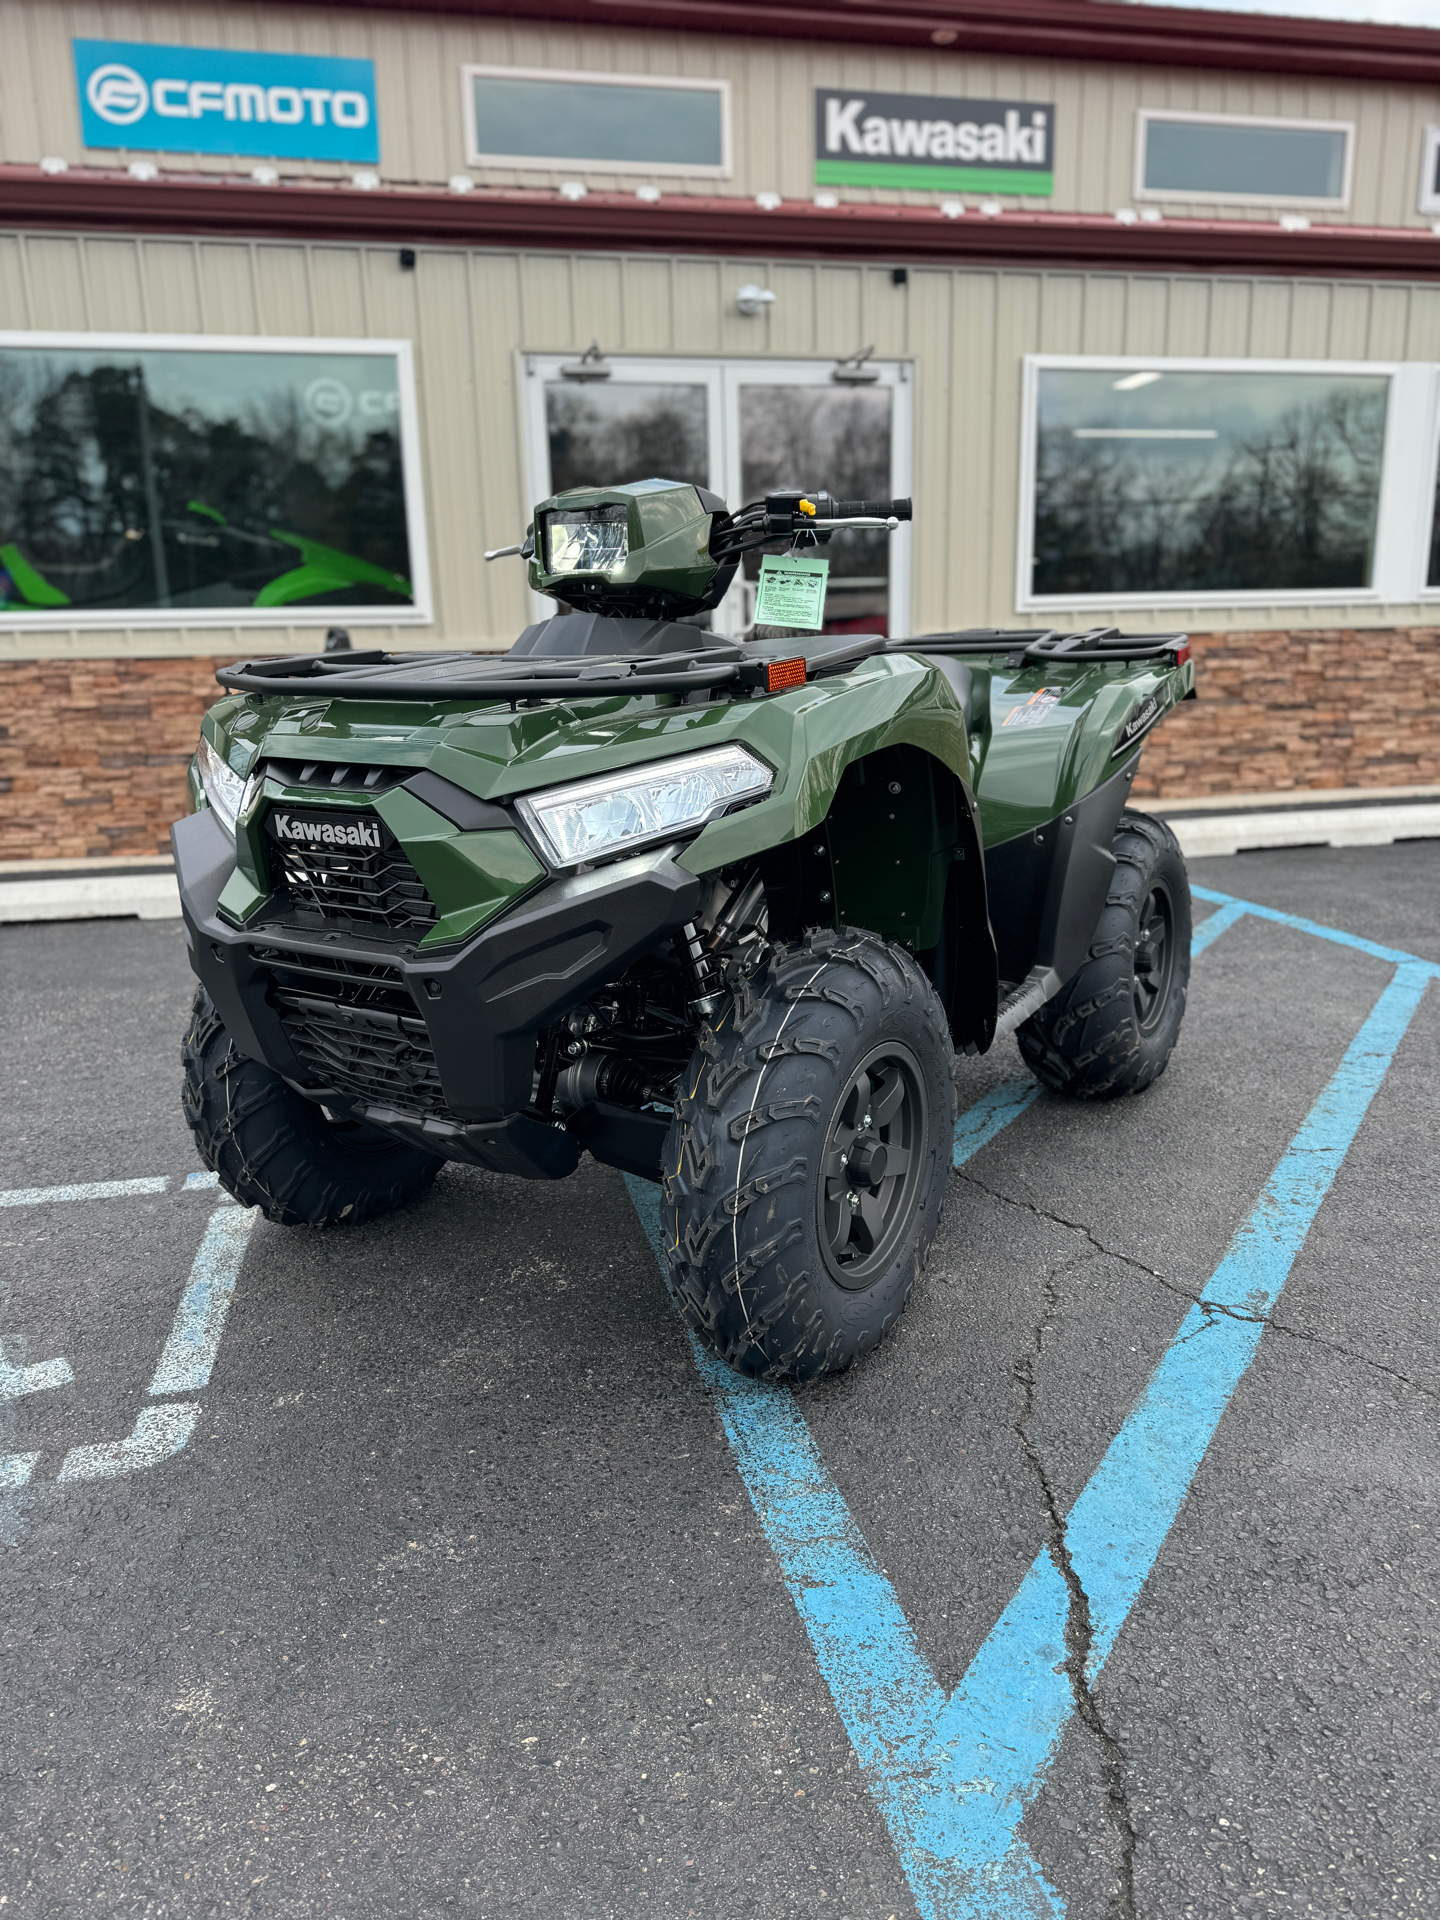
(594, 818)
(227, 793)
(588, 540)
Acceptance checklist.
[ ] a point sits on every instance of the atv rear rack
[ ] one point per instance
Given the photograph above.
(1033, 644)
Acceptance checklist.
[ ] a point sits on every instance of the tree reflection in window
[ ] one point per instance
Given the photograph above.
(200, 479)
(1206, 483)
(607, 436)
(837, 438)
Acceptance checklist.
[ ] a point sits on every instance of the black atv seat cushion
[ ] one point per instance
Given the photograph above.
(962, 684)
(576, 636)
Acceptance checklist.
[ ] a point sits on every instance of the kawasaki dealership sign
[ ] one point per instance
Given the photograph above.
(918, 140)
(291, 106)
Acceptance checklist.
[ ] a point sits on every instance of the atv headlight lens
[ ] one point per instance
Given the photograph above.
(620, 812)
(227, 793)
(590, 540)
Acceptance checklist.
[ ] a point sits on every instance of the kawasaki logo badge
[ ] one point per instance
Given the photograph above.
(331, 830)
(1142, 716)
(923, 140)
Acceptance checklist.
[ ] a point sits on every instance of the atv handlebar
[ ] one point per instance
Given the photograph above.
(854, 510)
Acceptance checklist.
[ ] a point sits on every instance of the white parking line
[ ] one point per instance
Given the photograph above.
(85, 1191)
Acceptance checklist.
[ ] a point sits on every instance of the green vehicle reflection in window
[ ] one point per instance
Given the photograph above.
(192, 479)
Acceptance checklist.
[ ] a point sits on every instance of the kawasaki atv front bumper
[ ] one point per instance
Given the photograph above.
(438, 1049)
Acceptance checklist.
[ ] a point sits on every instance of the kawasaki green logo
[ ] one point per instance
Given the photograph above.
(921, 140)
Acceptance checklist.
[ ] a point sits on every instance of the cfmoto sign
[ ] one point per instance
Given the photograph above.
(209, 100)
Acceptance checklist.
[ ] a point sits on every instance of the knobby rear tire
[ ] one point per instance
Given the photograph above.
(275, 1150)
(1097, 1039)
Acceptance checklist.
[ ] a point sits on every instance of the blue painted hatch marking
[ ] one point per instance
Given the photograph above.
(953, 1778)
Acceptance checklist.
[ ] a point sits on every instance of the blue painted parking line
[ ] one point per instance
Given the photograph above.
(954, 1778)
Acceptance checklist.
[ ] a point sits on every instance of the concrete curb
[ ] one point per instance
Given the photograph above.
(90, 897)
(1206, 834)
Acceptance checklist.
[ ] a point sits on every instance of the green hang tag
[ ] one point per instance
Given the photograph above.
(792, 592)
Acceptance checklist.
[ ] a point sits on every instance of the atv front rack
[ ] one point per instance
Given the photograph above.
(1034, 644)
(380, 676)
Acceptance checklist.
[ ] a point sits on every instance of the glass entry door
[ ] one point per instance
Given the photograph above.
(743, 428)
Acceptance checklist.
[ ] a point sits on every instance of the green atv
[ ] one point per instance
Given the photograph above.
(720, 912)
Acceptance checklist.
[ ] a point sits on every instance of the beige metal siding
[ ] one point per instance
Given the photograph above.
(473, 316)
(419, 57)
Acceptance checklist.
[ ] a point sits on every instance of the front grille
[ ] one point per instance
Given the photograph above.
(355, 1027)
(377, 892)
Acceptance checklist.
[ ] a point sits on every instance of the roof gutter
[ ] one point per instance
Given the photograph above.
(100, 200)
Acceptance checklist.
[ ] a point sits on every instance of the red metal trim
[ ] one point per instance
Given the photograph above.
(701, 224)
(1097, 30)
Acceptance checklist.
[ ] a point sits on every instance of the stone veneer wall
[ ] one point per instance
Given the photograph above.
(93, 752)
(1354, 707)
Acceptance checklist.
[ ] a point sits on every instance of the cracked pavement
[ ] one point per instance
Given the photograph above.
(455, 1603)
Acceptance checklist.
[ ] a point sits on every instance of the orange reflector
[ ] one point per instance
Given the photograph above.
(784, 674)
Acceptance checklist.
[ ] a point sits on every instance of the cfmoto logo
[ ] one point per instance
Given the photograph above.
(118, 95)
(328, 403)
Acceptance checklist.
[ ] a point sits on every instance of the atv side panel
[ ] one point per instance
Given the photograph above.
(1046, 888)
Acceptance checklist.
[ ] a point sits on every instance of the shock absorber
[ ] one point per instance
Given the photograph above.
(708, 995)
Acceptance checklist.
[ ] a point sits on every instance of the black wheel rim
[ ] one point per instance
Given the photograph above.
(871, 1165)
(1155, 958)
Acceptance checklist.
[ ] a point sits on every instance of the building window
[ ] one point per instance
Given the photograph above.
(1429, 198)
(611, 123)
(159, 478)
(1283, 163)
(1222, 481)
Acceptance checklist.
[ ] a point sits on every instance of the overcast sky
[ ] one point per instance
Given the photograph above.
(1396, 13)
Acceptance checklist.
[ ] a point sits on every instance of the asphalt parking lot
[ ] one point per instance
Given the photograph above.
(437, 1578)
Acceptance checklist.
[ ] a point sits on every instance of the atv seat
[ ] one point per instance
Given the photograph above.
(962, 684)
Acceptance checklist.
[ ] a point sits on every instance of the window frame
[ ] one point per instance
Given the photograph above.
(1145, 115)
(1403, 526)
(420, 613)
(723, 375)
(1428, 198)
(534, 163)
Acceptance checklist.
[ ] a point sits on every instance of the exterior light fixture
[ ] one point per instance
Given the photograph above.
(751, 300)
(990, 209)
(265, 176)
(1152, 214)
(461, 183)
(572, 190)
(952, 209)
(52, 163)
(592, 365)
(768, 202)
(648, 194)
(854, 372)
(1293, 222)
(365, 182)
(828, 200)
(1127, 216)
(143, 170)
